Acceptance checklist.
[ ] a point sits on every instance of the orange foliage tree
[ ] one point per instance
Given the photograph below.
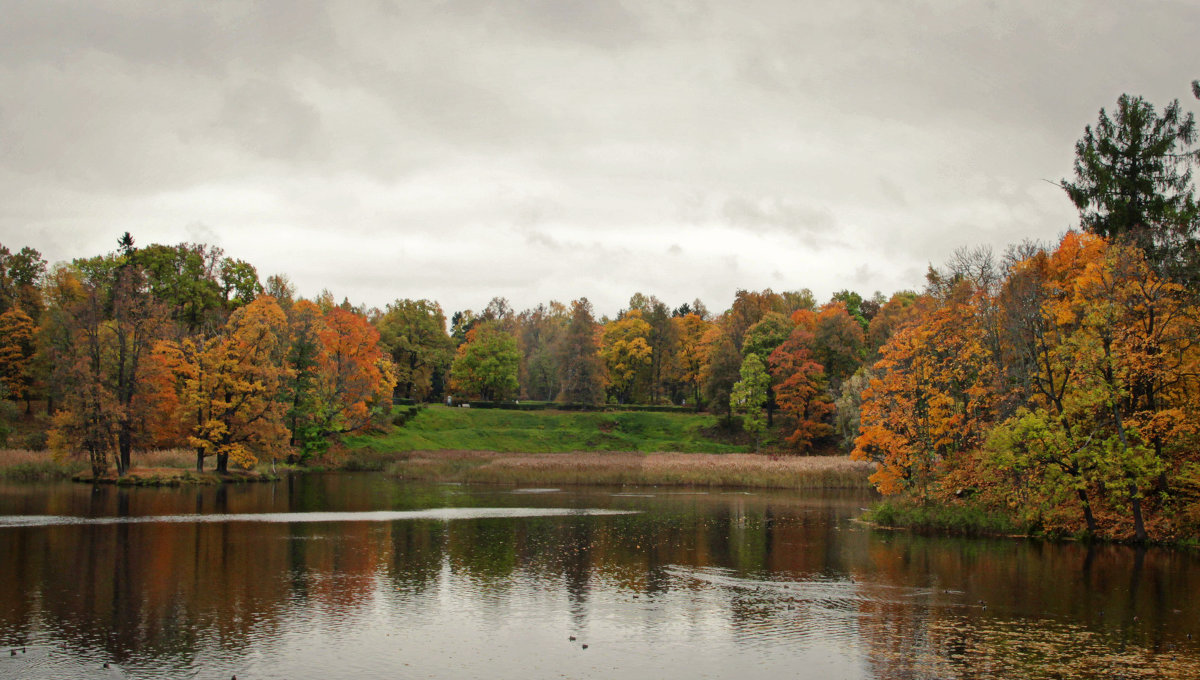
(932, 397)
(355, 377)
(690, 359)
(801, 390)
(231, 385)
(16, 353)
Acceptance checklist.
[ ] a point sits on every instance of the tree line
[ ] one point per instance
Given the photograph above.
(1061, 383)
(1058, 381)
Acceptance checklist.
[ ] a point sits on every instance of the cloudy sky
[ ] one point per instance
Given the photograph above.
(552, 149)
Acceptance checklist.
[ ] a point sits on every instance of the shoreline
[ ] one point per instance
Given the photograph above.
(734, 470)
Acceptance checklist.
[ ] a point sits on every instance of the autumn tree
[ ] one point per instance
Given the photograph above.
(625, 349)
(747, 309)
(691, 358)
(353, 378)
(837, 342)
(231, 384)
(581, 371)
(663, 342)
(485, 366)
(932, 399)
(87, 421)
(17, 345)
(135, 326)
(892, 314)
(800, 389)
(722, 368)
(853, 302)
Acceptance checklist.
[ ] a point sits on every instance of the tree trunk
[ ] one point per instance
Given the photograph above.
(1139, 527)
(124, 445)
(99, 462)
(1087, 512)
(199, 460)
(222, 463)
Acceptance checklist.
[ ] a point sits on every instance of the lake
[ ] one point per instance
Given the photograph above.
(362, 576)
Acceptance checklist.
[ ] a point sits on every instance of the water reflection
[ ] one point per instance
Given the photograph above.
(452, 581)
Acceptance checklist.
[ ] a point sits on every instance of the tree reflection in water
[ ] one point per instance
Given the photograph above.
(700, 583)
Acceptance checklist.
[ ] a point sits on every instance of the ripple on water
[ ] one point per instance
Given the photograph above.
(446, 514)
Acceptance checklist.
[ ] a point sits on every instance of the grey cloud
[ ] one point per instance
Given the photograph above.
(812, 224)
(892, 191)
(271, 120)
(571, 143)
(198, 232)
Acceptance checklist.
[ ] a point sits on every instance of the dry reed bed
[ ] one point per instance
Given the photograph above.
(664, 469)
(26, 464)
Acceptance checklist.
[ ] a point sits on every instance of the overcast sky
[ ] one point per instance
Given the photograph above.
(460, 150)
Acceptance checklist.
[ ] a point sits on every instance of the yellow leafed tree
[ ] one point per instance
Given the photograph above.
(231, 384)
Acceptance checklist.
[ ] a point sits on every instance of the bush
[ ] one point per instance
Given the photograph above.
(967, 519)
(35, 441)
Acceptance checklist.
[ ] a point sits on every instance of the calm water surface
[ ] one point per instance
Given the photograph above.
(359, 576)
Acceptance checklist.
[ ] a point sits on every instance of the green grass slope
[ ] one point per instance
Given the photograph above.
(443, 428)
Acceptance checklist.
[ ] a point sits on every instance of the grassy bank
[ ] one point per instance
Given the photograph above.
(463, 429)
(958, 519)
(663, 469)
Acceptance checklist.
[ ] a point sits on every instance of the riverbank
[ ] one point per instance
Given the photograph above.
(974, 520)
(648, 469)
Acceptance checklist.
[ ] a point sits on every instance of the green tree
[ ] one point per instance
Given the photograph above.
(20, 280)
(837, 342)
(185, 277)
(1133, 181)
(761, 340)
(303, 361)
(540, 332)
(239, 282)
(749, 396)
(413, 332)
(486, 364)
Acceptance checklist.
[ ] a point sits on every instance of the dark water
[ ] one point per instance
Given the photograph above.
(357, 576)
